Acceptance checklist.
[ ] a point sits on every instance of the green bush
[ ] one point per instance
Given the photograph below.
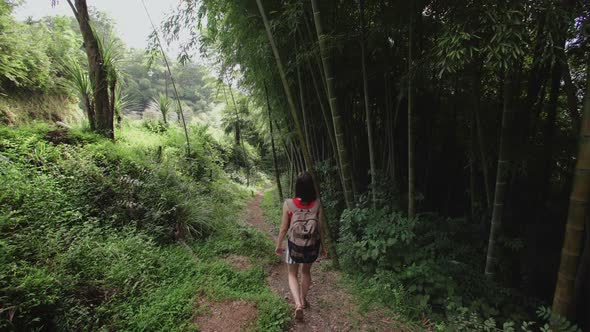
(463, 319)
(418, 266)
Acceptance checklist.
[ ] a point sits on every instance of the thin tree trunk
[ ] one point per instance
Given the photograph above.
(386, 151)
(329, 124)
(481, 139)
(295, 158)
(484, 160)
(113, 96)
(272, 143)
(367, 107)
(318, 60)
(327, 119)
(290, 159)
(302, 106)
(574, 231)
(336, 116)
(472, 153)
(97, 72)
(394, 159)
(502, 176)
(411, 183)
(291, 181)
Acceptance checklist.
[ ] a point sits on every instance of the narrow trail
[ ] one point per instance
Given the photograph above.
(332, 307)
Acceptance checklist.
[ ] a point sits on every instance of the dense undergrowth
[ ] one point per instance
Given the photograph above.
(90, 229)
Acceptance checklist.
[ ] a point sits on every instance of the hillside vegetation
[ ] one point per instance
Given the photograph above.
(89, 231)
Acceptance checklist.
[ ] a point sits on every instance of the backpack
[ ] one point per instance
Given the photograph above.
(304, 233)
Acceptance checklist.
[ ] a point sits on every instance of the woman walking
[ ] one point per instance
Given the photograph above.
(303, 222)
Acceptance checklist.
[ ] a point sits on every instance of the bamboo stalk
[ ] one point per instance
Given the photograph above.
(502, 177)
(272, 142)
(367, 107)
(563, 303)
(336, 115)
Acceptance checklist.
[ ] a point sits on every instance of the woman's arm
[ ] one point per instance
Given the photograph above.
(285, 222)
(323, 228)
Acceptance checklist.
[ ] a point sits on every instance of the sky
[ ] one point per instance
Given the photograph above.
(132, 24)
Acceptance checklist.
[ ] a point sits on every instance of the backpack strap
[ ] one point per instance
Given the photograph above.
(291, 205)
(316, 207)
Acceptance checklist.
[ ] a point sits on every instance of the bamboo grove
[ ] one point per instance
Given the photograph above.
(465, 109)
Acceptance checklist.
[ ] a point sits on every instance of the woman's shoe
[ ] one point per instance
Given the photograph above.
(299, 313)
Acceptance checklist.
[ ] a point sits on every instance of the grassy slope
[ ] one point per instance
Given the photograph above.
(20, 110)
(86, 232)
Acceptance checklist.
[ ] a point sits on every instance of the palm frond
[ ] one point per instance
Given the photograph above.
(162, 104)
(78, 79)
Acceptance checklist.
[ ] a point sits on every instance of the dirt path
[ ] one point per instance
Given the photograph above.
(332, 308)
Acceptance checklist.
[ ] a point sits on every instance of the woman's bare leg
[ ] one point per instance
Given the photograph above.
(305, 281)
(294, 284)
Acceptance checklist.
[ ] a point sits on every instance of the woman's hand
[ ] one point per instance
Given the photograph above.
(279, 251)
(324, 252)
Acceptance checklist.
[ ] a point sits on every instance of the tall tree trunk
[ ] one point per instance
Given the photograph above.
(411, 177)
(472, 153)
(582, 288)
(502, 176)
(290, 159)
(327, 119)
(97, 71)
(113, 95)
(272, 143)
(574, 231)
(295, 157)
(484, 160)
(386, 152)
(336, 116)
(481, 137)
(292, 181)
(302, 106)
(367, 107)
(394, 160)
(329, 125)
(317, 60)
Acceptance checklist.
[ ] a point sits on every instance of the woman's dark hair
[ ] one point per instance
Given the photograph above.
(304, 188)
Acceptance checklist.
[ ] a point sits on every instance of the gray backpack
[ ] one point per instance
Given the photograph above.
(304, 233)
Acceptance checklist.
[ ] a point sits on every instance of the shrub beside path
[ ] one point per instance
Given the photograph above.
(332, 307)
